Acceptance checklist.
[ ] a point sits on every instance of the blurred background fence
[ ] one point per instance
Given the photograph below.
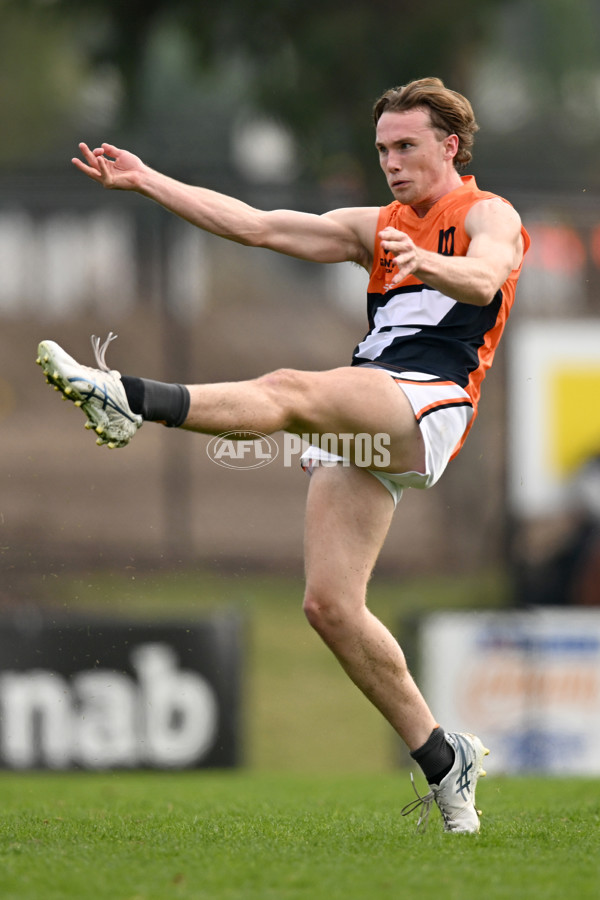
(270, 102)
(192, 308)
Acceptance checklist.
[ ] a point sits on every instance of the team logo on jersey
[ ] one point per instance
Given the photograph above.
(446, 241)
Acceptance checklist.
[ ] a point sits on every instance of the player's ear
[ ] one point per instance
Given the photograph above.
(451, 145)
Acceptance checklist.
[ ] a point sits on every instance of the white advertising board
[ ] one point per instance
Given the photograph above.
(554, 410)
(527, 682)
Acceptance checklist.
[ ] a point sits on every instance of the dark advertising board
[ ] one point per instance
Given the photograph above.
(112, 695)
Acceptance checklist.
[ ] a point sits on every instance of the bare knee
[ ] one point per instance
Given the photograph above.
(282, 381)
(325, 613)
(289, 391)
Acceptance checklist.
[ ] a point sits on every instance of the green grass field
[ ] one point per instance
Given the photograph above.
(255, 836)
(315, 812)
(301, 712)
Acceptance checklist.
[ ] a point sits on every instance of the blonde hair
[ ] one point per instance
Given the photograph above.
(449, 111)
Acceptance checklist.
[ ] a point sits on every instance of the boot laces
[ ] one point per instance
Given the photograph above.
(425, 801)
(100, 348)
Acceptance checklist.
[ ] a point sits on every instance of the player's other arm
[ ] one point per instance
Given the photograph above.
(338, 236)
(496, 249)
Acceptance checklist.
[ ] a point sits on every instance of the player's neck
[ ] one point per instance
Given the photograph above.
(451, 184)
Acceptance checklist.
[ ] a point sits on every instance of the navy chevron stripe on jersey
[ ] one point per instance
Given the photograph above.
(417, 328)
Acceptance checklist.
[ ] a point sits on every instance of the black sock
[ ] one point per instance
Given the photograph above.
(156, 401)
(436, 756)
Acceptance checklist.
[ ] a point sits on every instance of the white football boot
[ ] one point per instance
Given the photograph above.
(455, 795)
(99, 392)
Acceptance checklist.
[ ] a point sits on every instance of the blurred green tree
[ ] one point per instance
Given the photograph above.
(40, 65)
(159, 70)
(316, 67)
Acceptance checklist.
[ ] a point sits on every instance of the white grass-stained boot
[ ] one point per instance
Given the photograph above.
(455, 795)
(99, 392)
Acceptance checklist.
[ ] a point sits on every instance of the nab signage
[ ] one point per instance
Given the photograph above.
(110, 695)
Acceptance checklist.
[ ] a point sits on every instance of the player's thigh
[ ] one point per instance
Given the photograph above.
(353, 396)
(357, 400)
(348, 515)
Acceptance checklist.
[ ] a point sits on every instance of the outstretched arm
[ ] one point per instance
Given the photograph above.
(496, 249)
(338, 236)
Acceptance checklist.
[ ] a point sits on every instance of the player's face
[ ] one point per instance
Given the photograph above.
(415, 158)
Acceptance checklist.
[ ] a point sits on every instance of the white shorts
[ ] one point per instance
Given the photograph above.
(443, 411)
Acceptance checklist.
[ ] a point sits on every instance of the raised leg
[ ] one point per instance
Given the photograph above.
(345, 400)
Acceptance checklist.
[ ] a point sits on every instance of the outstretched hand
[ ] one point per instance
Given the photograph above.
(113, 168)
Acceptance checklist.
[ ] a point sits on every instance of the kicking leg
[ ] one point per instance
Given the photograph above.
(347, 400)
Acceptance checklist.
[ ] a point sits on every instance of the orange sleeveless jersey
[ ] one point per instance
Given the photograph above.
(413, 327)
